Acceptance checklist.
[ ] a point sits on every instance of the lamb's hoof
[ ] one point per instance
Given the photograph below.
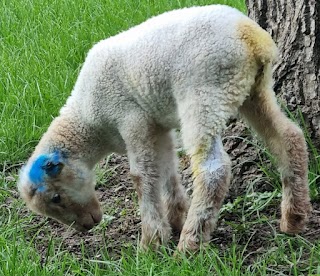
(153, 238)
(188, 245)
(150, 245)
(293, 223)
(293, 220)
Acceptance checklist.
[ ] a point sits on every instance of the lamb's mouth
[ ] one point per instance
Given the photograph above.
(88, 224)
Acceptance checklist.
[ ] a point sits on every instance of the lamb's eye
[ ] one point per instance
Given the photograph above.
(56, 198)
(49, 165)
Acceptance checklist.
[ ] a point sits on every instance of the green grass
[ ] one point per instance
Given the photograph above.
(19, 255)
(42, 46)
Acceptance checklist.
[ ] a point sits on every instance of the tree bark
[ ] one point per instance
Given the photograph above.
(295, 27)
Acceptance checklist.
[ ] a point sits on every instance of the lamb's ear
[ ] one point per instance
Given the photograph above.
(53, 168)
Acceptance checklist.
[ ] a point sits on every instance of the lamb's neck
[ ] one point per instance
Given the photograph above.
(74, 139)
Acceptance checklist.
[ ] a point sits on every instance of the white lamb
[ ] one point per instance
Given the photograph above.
(190, 69)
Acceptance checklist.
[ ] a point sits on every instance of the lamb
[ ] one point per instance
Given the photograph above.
(191, 69)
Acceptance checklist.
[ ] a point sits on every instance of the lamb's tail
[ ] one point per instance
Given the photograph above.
(259, 42)
(261, 49)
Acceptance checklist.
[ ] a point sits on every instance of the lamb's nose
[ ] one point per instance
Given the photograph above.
(96, 218)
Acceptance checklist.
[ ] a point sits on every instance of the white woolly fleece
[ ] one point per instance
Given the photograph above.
(165, 68)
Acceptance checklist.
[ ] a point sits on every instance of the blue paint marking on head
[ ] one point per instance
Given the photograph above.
(36, 172)
(49, 164)
(53, 166)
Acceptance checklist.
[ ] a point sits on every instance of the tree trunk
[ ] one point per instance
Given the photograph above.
(295, 27)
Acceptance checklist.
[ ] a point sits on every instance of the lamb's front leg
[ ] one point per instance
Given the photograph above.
(155, 227)
(174, 196)
(144, 170)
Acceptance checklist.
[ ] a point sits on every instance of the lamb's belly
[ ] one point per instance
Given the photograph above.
(163, 114)
(168, 120)
(161, 107)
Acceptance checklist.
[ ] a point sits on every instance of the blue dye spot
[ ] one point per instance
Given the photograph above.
(49, 164)
(36, 173)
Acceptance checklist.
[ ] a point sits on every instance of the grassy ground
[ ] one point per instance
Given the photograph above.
(42, 46)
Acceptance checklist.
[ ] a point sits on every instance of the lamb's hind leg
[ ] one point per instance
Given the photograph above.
(211, 177)
(203, 115)
(287, 143)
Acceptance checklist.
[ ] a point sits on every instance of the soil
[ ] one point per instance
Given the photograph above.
(121, 225)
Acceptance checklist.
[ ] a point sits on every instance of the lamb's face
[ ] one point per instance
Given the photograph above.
(61, 189)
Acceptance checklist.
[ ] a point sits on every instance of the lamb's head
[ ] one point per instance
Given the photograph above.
(62, 189)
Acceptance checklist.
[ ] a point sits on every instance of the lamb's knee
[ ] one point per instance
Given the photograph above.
(211, 169)
(294, 139)
(212, 186)
(211, 172)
